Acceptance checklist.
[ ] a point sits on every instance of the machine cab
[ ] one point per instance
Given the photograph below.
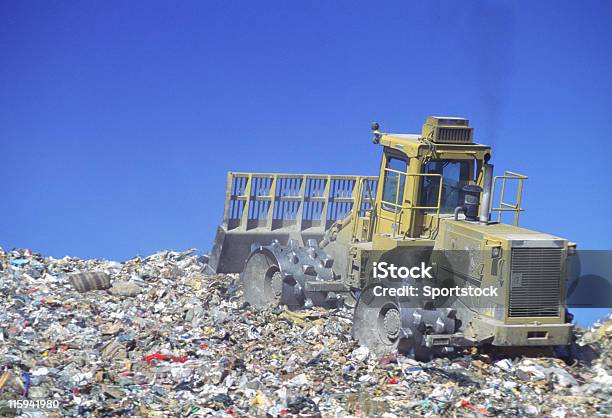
(424, 177)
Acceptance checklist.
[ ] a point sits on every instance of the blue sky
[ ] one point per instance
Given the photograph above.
(120, 119)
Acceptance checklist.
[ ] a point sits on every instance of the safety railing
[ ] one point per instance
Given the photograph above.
(295, 201)
(505, 206)
(397, 215)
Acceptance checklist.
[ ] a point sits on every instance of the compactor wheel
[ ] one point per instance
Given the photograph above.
(278, 274)
(262, 280)
(376, 322)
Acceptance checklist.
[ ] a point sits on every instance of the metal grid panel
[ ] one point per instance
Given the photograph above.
(340, 198)
(235, 207)
(368, 195)
(258, 209)
(314, 198)
(303, 201)
(287, 198)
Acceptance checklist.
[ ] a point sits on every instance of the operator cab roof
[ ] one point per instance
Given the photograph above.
(412, 144)
(440, 135)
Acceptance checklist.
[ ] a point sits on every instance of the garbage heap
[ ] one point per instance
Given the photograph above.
(155, 337)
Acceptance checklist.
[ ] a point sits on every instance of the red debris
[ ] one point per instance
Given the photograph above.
(467, 404)
(159, 356)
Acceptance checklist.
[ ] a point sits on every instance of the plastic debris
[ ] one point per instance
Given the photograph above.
(504, 364)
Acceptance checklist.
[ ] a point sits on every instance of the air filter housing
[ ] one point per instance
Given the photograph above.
(447, 130)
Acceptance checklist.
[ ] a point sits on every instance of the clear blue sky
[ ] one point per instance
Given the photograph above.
(119, 119)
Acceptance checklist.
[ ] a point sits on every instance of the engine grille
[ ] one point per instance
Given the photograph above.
(535, 282)
(455, 135)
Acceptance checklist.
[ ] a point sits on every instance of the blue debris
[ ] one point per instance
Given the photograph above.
(26, 388)
(18, 262)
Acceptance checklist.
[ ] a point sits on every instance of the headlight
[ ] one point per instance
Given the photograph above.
(495, 252)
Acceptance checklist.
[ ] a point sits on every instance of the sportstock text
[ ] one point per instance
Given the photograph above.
(384, 270)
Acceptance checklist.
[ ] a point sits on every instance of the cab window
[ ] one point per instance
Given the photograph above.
(455, 175)
(390, 190)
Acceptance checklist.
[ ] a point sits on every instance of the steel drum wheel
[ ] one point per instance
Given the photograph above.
(376, 322)
(262, 281)
(377, 325)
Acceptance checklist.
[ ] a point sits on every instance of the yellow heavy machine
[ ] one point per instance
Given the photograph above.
(301, 240)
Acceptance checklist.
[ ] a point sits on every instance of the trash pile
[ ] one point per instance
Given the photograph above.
(155, 337)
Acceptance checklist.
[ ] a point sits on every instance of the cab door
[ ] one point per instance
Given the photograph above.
(392, 217)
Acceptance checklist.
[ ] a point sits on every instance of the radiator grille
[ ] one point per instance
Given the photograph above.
(455, 135)
(535, 282)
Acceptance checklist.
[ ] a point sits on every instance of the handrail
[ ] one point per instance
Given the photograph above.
(505, 206)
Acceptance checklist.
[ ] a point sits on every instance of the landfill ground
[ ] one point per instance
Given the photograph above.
(167, 340)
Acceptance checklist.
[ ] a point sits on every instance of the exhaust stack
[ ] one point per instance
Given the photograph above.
(487, 183)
